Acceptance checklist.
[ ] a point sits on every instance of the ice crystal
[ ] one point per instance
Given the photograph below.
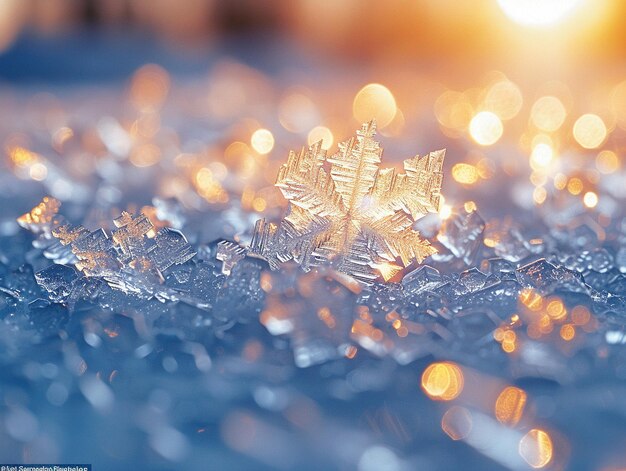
(462, 233)
(42, 218)
(347, 212)
(133, 258)
(229, 253)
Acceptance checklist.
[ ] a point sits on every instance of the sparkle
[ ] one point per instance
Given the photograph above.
(590, 199)
(590, 131)
(262, 141)
(486, 128)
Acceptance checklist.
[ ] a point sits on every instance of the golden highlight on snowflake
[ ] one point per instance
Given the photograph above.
(346, 212)
(42, 217)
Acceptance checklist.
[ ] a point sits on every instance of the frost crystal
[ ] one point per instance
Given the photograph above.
(229, 253)
(133, 255)
(462, 233)
(346, 211)
(42, 218)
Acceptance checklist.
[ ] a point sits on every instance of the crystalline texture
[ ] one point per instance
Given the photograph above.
(133, 259)
(346, 212)
(171, 248)
(508, 241)
(546, 277)
(462, 234)
(424, 278)
(229, 253)
(58, 281)
(42, 218)
(94, 250)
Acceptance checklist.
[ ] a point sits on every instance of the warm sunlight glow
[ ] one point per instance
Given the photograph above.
(538, 13)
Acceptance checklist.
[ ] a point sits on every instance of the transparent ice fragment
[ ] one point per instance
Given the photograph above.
(171, 248)
(498, 267)
(94, 250)
(58, 281)
(199, 286)
(620, 259)
(241, 298)
(229, 253)
(10, 302)
(59, 253)
(496, 296)
(130, 237)
(507, 241)
(462, 234)
(474, 280)
(22, 283)
(616, 285)
(424, 278)
(546, 277)
(382, 298)
(47, 318)
(610, 281)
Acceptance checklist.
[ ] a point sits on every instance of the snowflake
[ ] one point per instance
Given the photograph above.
(347, 212)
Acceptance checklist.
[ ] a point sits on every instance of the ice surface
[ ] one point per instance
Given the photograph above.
(157, 357)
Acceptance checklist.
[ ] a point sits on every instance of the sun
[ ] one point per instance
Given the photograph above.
(538, 13)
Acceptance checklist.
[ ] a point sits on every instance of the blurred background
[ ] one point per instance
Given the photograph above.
(530, 88)
(514, 36)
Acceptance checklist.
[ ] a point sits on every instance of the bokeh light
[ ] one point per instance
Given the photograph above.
(505, 99)
(536, 448)
(590, 199)
(590, 131)
(542, 155)
(465, 173)
(442, 381)
(321, 133)
(607, 162)
(486, 128)
(548, 113)
(374, 101)
(510, 405)
(262, 141)
(457, 422)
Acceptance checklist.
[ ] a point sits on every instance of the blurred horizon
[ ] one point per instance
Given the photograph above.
(73, 40)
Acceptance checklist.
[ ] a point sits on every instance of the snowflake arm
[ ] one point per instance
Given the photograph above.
(355, 165)
(304, 182)
(416, 192)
